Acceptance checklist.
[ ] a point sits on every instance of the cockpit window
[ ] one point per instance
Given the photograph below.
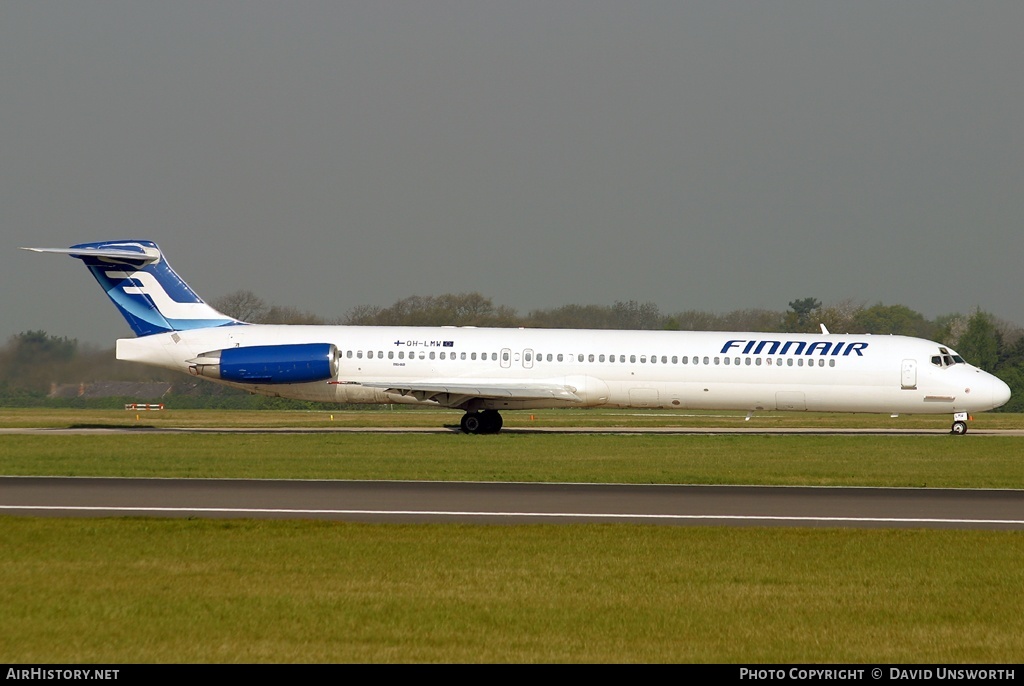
(947, 358)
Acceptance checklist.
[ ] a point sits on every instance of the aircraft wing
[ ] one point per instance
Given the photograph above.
(465, 388)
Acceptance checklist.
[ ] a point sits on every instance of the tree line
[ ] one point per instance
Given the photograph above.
(34, 363)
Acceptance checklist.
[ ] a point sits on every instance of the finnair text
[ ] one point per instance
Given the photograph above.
(834, 349)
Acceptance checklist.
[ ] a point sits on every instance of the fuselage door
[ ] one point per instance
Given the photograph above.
(528, 358)
(908, 375)
(506, 357)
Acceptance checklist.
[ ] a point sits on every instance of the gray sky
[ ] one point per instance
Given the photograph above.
(701, 155)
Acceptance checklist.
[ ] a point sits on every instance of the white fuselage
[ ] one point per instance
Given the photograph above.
(656, 369)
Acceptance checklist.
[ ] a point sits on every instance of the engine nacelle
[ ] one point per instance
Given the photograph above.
(269, 364)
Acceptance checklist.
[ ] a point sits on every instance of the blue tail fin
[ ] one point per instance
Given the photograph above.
(149, 294)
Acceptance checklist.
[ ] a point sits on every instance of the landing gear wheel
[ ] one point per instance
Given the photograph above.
(471, 423)
(492, 421)
(959, 428)
(486, 422)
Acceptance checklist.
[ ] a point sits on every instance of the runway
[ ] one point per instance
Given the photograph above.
(454, 430)
(514, 503)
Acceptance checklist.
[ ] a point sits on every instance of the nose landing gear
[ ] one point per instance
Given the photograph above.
(959, 427)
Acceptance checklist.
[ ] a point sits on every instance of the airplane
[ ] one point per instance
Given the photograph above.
(483, 371)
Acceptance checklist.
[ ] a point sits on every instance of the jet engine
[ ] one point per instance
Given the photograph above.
(269, 364)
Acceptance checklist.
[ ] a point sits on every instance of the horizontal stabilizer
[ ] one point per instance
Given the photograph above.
(146, 255)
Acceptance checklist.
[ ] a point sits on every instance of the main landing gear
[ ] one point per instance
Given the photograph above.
(959, 427)
(486, 422)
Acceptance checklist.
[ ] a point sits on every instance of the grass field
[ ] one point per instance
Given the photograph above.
(137, 590)
(916, 461)
(151, 590)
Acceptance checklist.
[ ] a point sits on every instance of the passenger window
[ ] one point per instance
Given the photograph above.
(431, 354)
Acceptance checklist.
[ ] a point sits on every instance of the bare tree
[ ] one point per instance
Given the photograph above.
(243, 305)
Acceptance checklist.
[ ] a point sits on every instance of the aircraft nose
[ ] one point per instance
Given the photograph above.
(1000, 392)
